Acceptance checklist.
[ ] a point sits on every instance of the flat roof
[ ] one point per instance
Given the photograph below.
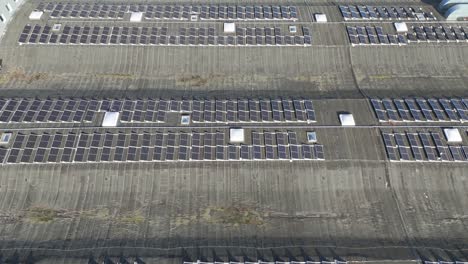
(355, 204)
(327, 69)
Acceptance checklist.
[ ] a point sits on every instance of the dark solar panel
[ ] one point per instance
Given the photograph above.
(92, 155)
(26, 155)
(106, 154)
(96, 139)
(146, 154)
(132, 154)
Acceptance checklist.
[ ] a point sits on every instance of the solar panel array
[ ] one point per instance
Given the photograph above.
(370, 35)
(169, 12)
(361, 12)
(421, 110)
(151, 110)
(206, 36)
(170, 146)
(274, 262)
(437, 33)
(211, 111)
(48, 110)
(422, 146)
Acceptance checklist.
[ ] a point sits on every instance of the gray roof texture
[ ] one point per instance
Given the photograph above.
(355, 205)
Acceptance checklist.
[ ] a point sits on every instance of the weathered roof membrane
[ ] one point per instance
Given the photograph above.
(390, 188)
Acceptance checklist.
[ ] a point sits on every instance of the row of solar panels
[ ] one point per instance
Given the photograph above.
(352, 12)
(139, 154)
(421, 110)
(39, 111)
(361, 35)
(170, 12)
(108, 147)
(158, 36)
(147, 139)
(58, 39)
(282, 262)
(150, 31)
(49, 7)
(149, 110)
(422, 146)
(438, 33)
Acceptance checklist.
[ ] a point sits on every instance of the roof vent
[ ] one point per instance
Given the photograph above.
(452, 135)
(312, 137)
(185, 120)
(236, 135)
(136, 17)
(111, 119)
(401, 27)
(35, 15)
(229, 28)
(321, 18)
(5, 138)
(347, 120)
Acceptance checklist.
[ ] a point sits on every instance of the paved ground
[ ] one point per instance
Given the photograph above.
(355, 205)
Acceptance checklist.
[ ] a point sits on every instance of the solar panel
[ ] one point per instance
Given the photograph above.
(17, 116)
(414, 109)
(426, 139)
(270, 152)
(379, 110)
(295, 152)
(425, 108)
(461, 109)
(184, 139)
(31, 143)
(80, 155)
(185, 106)
(3, 154)
(105, 155)
(438, 111)
(444, 153)
(132, 154)
(319, 152)
(121, 139)
(41, 116)
(269, 137)
(403, 146)
(13, 156)
(449, 110)
(26, 155)
(5, 116)
(390, 108)
(120, 154)
(208, 151)
(265, 110)
(250, 40)
(283, 152)
(33, 38)
(245, 152)
(428, 146)
(388, 139)
(465, 151)
(23, 38)
(392, 152)
(416, 146)
(400, 139)
(233, 152)
(437, 139)
(195, 153)
(292, 137)
(67, 155)
(457, 153)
